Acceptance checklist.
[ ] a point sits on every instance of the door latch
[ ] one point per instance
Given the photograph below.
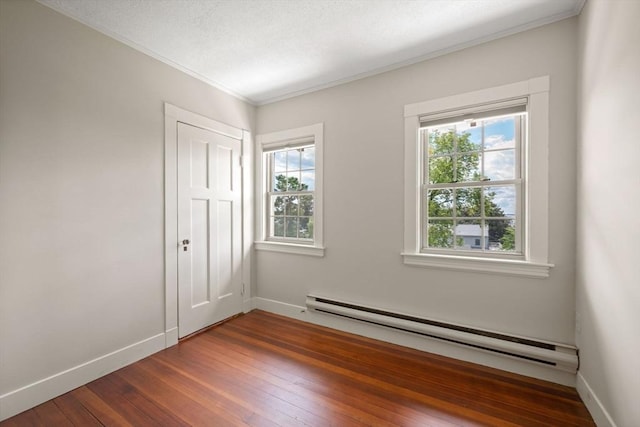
(185, 244)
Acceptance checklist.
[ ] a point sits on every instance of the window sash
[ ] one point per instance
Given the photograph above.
(269, 152)
(478, 112)
(508, 108)
(288, 144)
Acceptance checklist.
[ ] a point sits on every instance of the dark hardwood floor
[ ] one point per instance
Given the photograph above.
(265, 370)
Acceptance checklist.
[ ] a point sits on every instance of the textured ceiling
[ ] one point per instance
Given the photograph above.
(264, 50)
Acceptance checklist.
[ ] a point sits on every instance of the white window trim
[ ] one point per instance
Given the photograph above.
(316, 132)
(536, 176)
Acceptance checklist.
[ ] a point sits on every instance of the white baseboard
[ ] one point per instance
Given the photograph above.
(418, 342)
(171, 337)
(247, 305)
(289, 310)
(27, 397)
(593, 404)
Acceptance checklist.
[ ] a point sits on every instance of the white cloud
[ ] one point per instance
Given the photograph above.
(499, 165)
(492, 142)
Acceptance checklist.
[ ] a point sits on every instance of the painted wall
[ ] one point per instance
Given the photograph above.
(81, 190)
(608, 274)
(364, 192)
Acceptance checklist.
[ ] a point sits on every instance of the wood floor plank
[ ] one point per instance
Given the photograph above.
(102, 410)
(262, 369)
(27, 418)
(49, 413)
(208, 389)
(75, 411)
(173, 399)
(287, 390)
(302, 380)
(245, 391)
(275, 386)
(108, 392)
(373, 385)
(510, 394)
(159, 415)
(369, 345)
(480, 398)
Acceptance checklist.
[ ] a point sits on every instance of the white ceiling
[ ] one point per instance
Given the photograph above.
(265, 50)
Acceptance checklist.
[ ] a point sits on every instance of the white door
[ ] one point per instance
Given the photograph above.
(209, 228)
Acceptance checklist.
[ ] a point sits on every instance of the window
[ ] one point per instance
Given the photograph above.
(472, 181)
(476, 181)
(291, 176)
(290, 179)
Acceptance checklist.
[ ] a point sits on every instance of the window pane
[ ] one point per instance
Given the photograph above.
(306, 206)
(440, 233)
(441, 140)
(499, 133)
(277, 204)
(293, 159)
(440, 203)
(305, 228)
(468, 201)
(280, 161)
(308, 158)
(502, 235)
(308, 180)
(291, 227)
(278, 227)
(280, 182)
(293, 181)
(440, 170)
(500, 165)
(469, 235)
(291, 206)
(500, 201)
(468, 167)
(468, 139)
(474, 134)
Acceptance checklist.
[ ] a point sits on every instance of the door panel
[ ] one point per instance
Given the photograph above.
(209, 228)
(199, 252)
(224, 239)
(224, 168)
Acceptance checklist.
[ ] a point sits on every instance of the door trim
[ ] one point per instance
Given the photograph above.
(172, 116)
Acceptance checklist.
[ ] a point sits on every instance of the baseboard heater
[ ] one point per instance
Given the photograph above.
(559, 356)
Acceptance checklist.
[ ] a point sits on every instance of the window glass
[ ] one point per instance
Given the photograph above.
(472, 184)
(291, 197)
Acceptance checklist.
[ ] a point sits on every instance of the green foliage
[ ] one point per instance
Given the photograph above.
(442, 146)
(289, 184)
(293, 215)
(446, 150)
(441, 234)
(508, 239)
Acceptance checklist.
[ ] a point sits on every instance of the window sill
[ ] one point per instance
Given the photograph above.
(479, 265)
(289, 248)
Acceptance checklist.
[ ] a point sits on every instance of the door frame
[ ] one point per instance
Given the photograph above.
(172, 116)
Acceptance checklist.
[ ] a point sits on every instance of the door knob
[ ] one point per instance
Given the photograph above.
(185, 242)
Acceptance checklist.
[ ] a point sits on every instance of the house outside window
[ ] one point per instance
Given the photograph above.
(476, 181)
(289, 183)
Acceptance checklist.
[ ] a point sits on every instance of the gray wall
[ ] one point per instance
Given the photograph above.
(81, 190)
(363, 197)
(608, 273)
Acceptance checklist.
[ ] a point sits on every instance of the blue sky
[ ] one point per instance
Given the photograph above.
(298, 163)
